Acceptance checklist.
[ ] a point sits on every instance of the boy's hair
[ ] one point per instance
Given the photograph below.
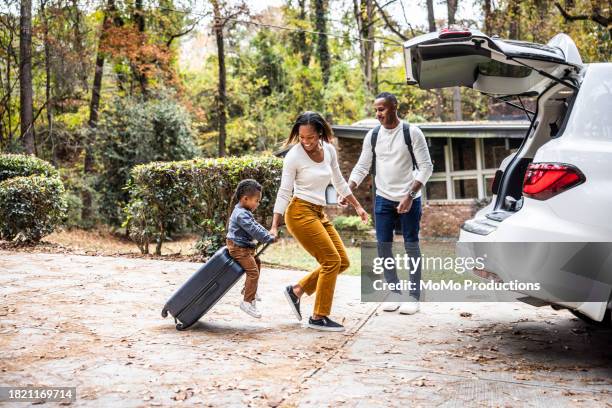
(247, 188)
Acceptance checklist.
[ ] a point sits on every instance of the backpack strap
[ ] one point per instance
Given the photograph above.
(408, 141)
(373, 142)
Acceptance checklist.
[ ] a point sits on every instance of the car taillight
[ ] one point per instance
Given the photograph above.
(546, 180)
(453, 32)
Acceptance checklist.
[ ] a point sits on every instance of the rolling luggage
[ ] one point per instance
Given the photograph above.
(204, 289)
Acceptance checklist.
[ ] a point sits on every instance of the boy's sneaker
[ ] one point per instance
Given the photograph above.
(325, 324)
(250, 309)
(294, 302)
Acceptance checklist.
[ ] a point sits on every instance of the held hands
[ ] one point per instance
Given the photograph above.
(405, 205)
(274, 232)
(343, 202)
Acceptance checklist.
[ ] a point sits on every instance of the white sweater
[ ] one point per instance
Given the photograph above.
(309, 179)
(394, 173)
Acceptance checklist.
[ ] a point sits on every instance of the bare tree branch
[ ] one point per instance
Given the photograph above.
(594, 16)
(183, 33)
(391, 25)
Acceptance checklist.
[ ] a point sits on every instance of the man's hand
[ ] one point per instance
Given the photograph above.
(343, 202)
(405, 205)
(363, 214)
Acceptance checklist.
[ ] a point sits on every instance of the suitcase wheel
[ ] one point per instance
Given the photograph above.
(180, 327)
(165, 313)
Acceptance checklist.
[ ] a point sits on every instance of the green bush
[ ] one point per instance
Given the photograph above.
(136, 132)
(195, 193)
(30, 207)
(18, 165)
(351, 223)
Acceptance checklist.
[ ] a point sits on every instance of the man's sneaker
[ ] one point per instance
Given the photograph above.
(250, 309)
(409, 308)
(294, 302)
(325, 324)
(391, 306)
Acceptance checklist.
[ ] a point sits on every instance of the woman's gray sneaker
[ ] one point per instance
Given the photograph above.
(294, 302)
(325, 324)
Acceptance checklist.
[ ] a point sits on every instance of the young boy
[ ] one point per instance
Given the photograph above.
(243, 232)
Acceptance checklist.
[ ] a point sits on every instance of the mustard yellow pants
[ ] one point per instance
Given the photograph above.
(310, 227)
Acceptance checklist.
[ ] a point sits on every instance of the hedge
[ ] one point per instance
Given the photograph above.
(18, 165)
(30, 207)
(196, 193)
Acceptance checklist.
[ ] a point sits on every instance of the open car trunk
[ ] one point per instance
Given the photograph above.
(489, 65)
(502, 69)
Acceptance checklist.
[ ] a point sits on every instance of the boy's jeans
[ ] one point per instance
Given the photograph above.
(386, 216)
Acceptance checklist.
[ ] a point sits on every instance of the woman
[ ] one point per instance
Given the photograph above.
(308, 168)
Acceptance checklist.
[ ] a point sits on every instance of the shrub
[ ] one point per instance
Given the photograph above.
(196, 193)
(30, 207)
(136, 132)
(351, 223)
(17, 165)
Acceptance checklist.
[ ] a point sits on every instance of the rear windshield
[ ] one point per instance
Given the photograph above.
(496, 68)
(591, 114)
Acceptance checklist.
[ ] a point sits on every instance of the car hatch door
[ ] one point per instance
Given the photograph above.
(489, 65)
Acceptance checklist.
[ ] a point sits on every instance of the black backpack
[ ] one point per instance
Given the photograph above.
(407, 140)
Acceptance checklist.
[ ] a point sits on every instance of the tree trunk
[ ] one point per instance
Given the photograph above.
(221, 87)
(322, 45)
(364, 16)
(25, 77)
(140, 75)
(513, 15)
(439, 102)
(49, 103)
(487, 17)
(431, 19)
(304, 50)
(94, 105)
(451, 8)
(9, 86)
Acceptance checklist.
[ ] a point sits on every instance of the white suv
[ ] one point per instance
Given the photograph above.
(558, 185)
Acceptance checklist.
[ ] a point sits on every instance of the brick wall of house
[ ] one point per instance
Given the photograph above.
(440, 219)
(444, 219)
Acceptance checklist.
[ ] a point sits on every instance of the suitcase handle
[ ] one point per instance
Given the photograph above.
(265, 246)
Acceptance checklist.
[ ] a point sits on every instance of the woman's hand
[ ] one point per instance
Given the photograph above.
(363, 214)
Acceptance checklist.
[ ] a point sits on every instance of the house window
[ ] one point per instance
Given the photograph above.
(488, 183)
(436, 190)
(465, 188)
(464, 154)
(497, 149)
(436, 151)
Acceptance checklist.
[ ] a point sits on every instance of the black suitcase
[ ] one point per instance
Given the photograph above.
(204, 289)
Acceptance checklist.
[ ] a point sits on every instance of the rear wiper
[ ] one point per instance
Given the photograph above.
(546, 74)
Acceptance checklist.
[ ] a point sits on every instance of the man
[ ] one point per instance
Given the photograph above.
(399, 175)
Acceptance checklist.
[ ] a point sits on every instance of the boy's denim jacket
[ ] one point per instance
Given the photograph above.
(244, 230)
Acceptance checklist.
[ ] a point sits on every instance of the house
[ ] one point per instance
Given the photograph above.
(465, 157)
